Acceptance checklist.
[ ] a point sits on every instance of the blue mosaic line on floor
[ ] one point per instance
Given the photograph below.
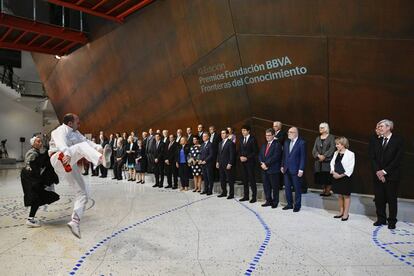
(89, 252)
(255, 261)
(388, 249)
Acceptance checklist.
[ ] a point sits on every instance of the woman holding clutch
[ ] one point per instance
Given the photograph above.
(342, 167)
(194, 162)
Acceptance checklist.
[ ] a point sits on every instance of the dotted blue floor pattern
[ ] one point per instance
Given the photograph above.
(92, 250)
(387, 247)
(253, 264)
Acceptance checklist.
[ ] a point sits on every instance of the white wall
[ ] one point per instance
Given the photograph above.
(17, 120)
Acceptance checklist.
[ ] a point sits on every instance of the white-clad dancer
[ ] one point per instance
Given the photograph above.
(67, 147)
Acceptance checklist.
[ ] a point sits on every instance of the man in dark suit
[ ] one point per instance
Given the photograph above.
(103, 141)
(226, 158)
(158, 161)
(248, 154)
(293, 166)
(214, 140)
(114, 145)
(179, 135)
(149, 150)
(200, 131)
(170, 159)
(280, 134)
(111, 143)
(386, 163)
(165, 136)
(270, 158)
(190, 136)
(207, 164)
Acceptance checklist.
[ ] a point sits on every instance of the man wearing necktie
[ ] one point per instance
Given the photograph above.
(293, 166)
(270, 158)
(386, 162)
(214, 140)
(158, 161)
(225, 163)
(207, 164)
(170, 159)
(248, 155)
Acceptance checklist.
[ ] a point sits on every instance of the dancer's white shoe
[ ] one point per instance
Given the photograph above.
(32, 223)
(75, 228)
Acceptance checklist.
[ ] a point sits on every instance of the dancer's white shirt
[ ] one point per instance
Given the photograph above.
(64, 136)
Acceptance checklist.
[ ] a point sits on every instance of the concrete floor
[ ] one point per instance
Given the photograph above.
(134, 229)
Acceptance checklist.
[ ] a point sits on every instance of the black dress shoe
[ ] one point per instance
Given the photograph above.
(287, 207)
(203, 193)
(113, 178)
(274, 206)
(174, 187)
(209, 194)
(161, 186)
(391, 226)
(84, 174)
(155, 185)
(296, 210)
(338, 216)
(222, 195)
(253, 200)
(266, 204)
(168, 187)
(345, 219)
(103, 176)
(379, 223)
(243, 199)
(230, 197)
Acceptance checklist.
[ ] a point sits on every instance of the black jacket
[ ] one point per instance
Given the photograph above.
(34, 182)
(159, 152)
(226, 154)
(250, 149)
(207, 153)
(171, 152)
(281, 137)
(130, 157)
(120, 153)
(388, 158)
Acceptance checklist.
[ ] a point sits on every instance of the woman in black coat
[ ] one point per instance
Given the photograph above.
(35, 176)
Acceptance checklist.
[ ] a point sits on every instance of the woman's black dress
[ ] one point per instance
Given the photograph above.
(342, 185)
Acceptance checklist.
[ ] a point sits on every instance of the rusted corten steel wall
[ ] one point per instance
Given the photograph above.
(229, 62)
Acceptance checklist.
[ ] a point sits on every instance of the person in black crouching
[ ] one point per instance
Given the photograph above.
(35, 177)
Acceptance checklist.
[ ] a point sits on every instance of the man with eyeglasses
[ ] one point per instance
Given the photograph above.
(293, 166)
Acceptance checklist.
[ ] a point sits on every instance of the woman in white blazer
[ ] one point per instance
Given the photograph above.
(342, 167)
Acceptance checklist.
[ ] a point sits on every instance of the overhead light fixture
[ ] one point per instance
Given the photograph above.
(58, 57)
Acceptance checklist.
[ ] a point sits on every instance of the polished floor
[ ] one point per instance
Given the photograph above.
(134, 229)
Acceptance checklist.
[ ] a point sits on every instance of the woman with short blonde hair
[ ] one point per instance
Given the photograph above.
(342, 166)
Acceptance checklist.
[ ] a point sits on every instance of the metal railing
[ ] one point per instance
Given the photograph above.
(42, 11)
(23, 87)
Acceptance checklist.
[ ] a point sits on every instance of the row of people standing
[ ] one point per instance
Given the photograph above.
(281, 158)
